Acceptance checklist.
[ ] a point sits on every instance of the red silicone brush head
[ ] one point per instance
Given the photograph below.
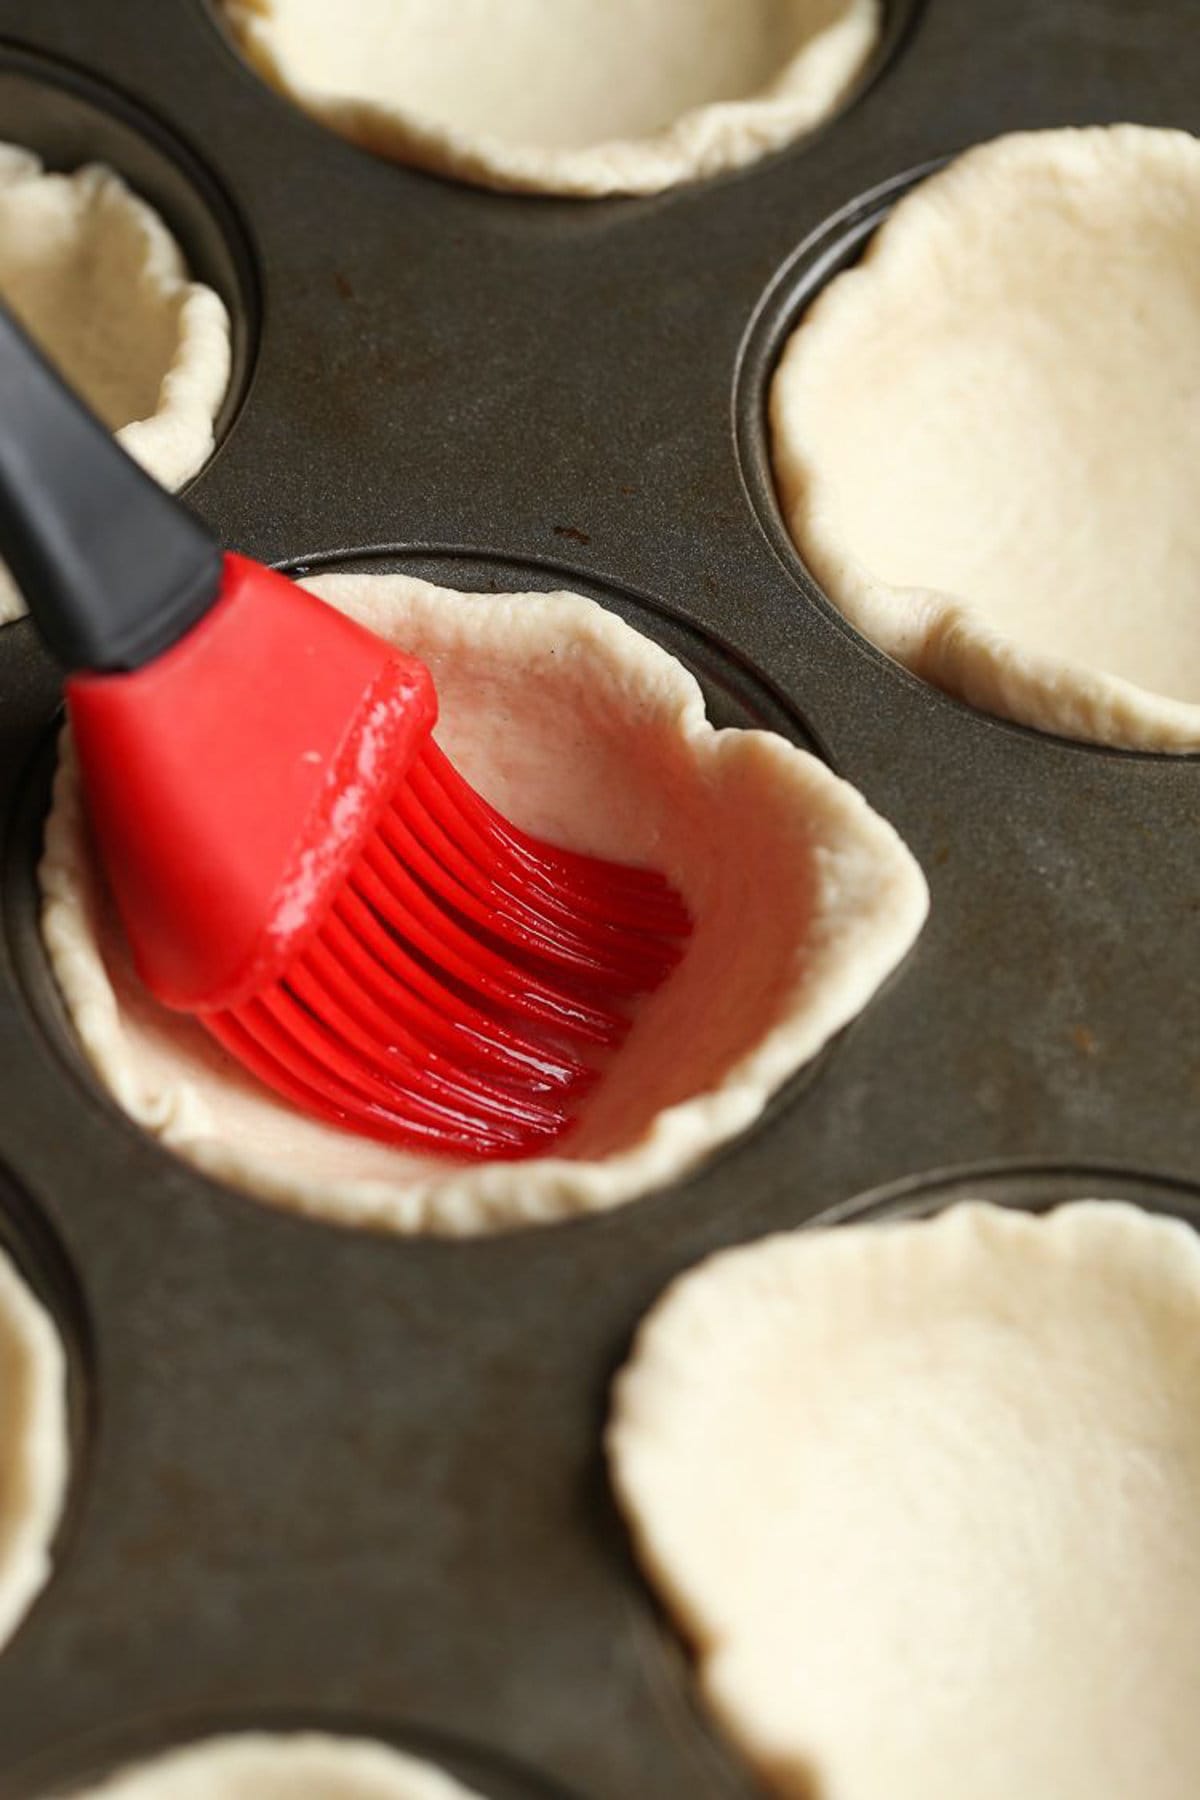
(230, 781)
(295, 861)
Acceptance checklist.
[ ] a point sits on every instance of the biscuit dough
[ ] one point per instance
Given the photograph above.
(925, 1498)
(33, 1445)
(296, 1766)
(985, 436)
(95, 277)
(585, 732)
(563, 96)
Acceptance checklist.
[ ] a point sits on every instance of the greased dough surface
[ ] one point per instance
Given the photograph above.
(585, 732)
(33, 1445)
(985, 436)
(96, 278)
(565, 96)
(926, 1498)
(297, 1766)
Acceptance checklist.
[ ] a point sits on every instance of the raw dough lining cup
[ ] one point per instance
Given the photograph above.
(836, 245)
(76, 1764)
(735, 696)
(1028, 1185)
(29, 1239)
(899, 20)
(69, 119)
(561, 365)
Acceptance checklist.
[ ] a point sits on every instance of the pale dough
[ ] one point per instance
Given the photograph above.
(33, 1445)
(584, 731)
(985, 437)
(563, 96)
(925, 1497)
(296, 1766)
(95, 277)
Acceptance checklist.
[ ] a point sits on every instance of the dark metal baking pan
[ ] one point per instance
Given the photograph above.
(328, 1476)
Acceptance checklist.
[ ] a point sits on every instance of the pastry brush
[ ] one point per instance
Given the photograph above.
(292, 857)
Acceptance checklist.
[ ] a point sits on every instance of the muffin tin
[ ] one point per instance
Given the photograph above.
(356, 1482)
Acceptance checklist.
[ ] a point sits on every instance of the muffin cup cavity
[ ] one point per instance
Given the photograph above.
(836, 245)
(911, 495)
(49, 1367)
(584, 732)
(572, 102)
(106, 212)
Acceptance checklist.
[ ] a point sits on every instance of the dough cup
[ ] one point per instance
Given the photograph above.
(923, 1497)
(97, 278)
(579, 729)
(627, 98)
(34, 1453)
(983, 440)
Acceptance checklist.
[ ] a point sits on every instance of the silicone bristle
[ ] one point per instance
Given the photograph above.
(438, 1005)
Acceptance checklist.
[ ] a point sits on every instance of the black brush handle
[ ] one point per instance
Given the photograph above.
(113, 569)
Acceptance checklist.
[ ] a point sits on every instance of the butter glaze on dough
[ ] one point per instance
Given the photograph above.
(298, 1766)
(985, 437)
(584, 731)
(563, 96)
(925, 1497)
(33, 1445)
(96, 278)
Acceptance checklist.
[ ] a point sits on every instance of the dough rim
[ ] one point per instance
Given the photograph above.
(177, 439)
(237, 1756)
(856, 938)
(938, 636)
(702, 142)
(43, 1453)
(653, 1371)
